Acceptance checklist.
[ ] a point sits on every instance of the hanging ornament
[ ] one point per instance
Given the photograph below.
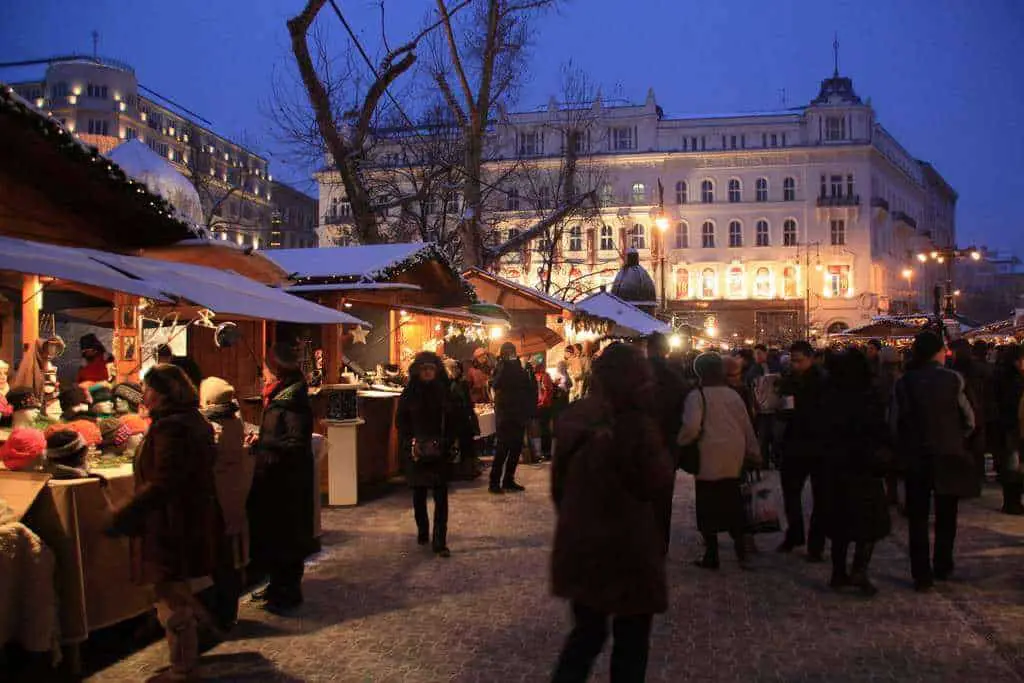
(359, 335)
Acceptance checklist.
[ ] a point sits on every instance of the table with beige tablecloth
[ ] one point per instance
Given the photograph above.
(93, 571)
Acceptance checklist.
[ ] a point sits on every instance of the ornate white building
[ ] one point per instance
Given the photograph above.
(769, 218)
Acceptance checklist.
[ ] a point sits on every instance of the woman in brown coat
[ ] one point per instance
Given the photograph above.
(173, 520)
(609, 472)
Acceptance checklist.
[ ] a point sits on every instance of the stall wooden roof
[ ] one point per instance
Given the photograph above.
(512, 295)
(55, 189)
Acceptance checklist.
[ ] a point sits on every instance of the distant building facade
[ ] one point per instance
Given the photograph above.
(99, 100)
(779, 224)
(293, 222)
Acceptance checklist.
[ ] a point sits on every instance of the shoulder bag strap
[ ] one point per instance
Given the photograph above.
(703, 413)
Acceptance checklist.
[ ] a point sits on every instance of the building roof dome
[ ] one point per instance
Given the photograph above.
(634, 284)
(146, 166)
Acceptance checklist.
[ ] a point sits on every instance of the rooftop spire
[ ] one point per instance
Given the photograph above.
(835, 55)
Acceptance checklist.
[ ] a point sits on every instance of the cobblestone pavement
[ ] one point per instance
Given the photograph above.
(380, 609)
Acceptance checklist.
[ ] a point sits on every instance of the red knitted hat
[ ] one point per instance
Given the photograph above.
(22, 448)
(88, 430)
(136, 424)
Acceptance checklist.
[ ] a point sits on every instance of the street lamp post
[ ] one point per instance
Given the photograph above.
(908, 275)
(807, 280)
(661, 222)
(947, 256)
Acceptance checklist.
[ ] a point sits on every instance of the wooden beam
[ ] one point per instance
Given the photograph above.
(31, 305)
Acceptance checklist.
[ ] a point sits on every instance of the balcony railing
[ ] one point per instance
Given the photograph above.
(879, 203)
(901, 217)
(840, 200)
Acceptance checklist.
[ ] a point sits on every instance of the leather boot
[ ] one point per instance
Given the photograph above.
(710, 558)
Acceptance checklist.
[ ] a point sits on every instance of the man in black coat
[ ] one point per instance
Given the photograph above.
(931, 418)
(515, 397)
(802, 446)
(670, 391)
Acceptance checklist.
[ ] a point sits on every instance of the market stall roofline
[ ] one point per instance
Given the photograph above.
(625, 315)
(365, 261)
(457, 314)
(72, 265)
(525, 290)
(225, 292)
(355, 287)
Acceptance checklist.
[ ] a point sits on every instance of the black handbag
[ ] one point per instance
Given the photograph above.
(429, 451)
(689, 455)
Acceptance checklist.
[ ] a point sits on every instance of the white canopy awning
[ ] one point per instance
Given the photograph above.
(629, 320)
(74, 265)
(226, 292)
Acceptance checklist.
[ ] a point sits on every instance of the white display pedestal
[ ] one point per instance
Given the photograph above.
(342, 470)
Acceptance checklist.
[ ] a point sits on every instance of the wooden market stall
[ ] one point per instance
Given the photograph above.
(415, 301)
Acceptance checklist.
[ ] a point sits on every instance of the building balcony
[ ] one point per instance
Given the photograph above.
(901, 217)
(843, 200)
(880, 203)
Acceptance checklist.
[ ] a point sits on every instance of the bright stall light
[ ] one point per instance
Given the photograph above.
(661, 222)
(497, 332)
(675, 341)
(908, 273)
(922, 257)
(976, 255)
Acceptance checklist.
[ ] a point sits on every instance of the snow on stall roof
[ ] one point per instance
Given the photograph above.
(359, 261)
(629, 319)
(512, 284)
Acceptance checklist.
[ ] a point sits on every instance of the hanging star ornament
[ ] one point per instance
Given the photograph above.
(359, 335)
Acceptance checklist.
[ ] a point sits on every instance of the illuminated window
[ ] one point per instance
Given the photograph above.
(734, 282)
(638, 237)
(575, 238)
(789, 282)
(837, 281)
(707, 283)
(639, 193)
(763, 283)
(607, 238)
(838, 232)
(682, 284)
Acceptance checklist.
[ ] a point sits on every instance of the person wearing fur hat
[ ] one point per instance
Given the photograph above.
(25, 406)
(102, 401)
(23, 450)
(427, 424)
(233, 473)
(127, 398)
(74, 404)
(280, 502)
(172, 520)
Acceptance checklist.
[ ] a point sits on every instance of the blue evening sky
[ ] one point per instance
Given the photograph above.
(946, 76)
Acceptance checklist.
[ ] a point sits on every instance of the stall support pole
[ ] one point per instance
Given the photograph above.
(31, 306)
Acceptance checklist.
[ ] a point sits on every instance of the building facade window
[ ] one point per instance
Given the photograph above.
(789, 190)
(789, 282)
(836, 185)
(639, 193)
(130, 133)
(849, 185)
(763, 234)
(838, 233)
(512, 200)
(763, 283)
(764, 139)
(837, 281)
(99, 91)
(638, 237)
(544, 198)
(682, 235)
(775, 139)
(734, 190)
(682, 284)
(732, 141)
(681, 192)
(101, 127)
(735, 234)
(734, 283)
(693, 144)
(707, 235)
(622, 139)
(607, 194)
(835, 128)
(530, 144)
(513, 233)
(576, 238)
(789, 233)
(707, 283)
(607, 238)
(707, 191)
(762, 190)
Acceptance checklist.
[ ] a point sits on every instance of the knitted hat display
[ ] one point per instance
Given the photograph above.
(23, 398)
(90, 431)
(114, 434)
(215, 391)
(65, 445)
(101, 393)
(129, 392)
(135, 424)
(22, 448)
(73, 396)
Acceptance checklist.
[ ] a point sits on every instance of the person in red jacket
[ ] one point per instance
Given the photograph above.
(545, 407)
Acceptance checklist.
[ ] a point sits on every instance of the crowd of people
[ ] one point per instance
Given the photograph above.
(869, 427)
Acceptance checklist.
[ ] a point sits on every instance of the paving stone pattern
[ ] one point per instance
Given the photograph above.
(379, 608)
